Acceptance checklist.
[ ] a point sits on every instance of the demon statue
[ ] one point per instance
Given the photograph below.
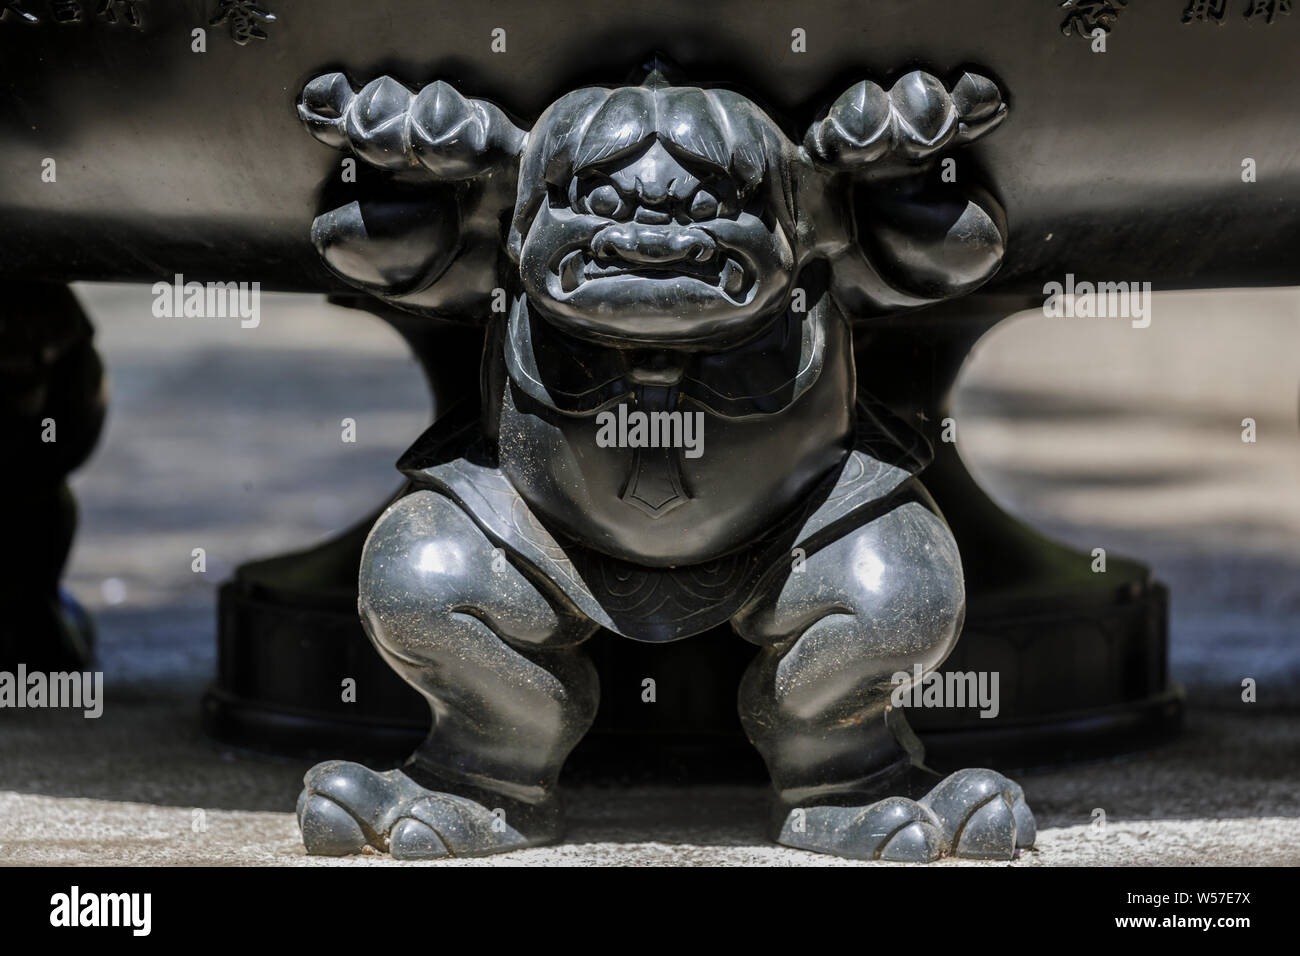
(669, 436)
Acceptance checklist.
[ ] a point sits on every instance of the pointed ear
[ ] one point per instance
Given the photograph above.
(912, 121)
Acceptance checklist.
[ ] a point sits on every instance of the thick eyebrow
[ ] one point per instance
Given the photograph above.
(611, 162)
(692, 161)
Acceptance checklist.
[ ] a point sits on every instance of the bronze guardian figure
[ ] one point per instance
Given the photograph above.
(669, 435)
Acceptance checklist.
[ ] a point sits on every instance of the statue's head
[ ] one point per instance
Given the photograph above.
(657, 215)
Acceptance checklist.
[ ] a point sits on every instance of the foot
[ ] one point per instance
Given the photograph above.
(344, 808)
(978, 814)
(982, 815)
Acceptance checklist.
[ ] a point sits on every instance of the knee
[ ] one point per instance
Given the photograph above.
(891, 592)
(428, 573)
(904, 585)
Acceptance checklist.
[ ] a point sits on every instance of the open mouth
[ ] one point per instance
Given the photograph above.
(721, 271)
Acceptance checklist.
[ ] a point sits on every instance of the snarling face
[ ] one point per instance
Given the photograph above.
(643, 240)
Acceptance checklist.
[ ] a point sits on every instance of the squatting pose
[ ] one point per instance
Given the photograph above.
(667, 249)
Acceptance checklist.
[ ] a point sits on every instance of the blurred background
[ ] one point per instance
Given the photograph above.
(1099, 434)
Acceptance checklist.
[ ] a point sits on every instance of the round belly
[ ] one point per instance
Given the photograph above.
(720, 484)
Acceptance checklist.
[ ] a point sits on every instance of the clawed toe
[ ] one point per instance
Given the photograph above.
(412, 839)
(978, 814)
(982, 815)
(445, 825)
(345, 807)
(892, 829)
(327, 828)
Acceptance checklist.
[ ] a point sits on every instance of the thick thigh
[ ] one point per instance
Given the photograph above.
(427, 565)
(881, 599)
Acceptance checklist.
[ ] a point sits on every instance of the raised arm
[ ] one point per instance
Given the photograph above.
(427, 238)
(898, 232)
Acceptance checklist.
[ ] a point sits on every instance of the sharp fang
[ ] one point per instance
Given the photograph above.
(570, 268)
(733, 277)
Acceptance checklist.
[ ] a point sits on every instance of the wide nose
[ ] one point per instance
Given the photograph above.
(652, 245)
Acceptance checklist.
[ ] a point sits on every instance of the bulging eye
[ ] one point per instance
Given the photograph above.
(704, 205)
(605, 201)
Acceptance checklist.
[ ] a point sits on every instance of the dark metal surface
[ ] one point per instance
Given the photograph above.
(1123, 163)
(672, 255)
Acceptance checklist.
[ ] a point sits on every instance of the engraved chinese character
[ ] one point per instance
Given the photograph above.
(1204, 11)
(243, 17)
(1268, 9)
(1085, 16)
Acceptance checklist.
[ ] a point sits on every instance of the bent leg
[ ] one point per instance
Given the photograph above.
(874, 603)
(499, 663)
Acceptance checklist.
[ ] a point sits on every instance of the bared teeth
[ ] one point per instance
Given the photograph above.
(570, 270)
(732, 279)
(576, 268)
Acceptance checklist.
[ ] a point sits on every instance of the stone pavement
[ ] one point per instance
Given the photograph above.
(1099, 434)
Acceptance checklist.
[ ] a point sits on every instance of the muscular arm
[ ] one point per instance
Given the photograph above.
(897, 236)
